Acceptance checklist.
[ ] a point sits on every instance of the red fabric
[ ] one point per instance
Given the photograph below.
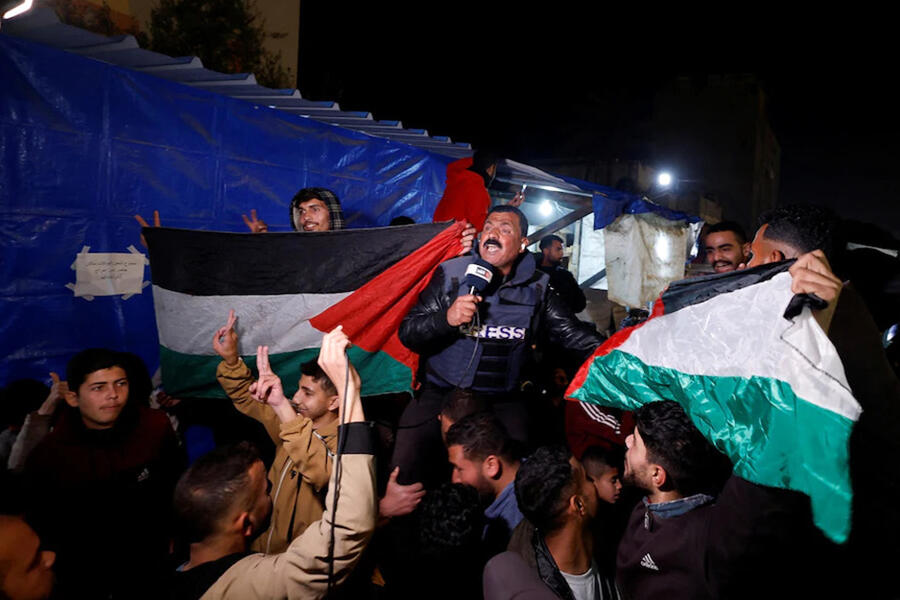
(372, 314)
(465, 196)
(581, 430)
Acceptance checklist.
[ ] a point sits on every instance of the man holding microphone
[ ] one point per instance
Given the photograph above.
(476, 335)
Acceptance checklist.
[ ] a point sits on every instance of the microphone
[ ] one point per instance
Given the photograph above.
(478, 275)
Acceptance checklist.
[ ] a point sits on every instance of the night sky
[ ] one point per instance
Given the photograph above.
(557, 83)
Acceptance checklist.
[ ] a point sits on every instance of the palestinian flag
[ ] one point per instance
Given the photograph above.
(765, 386)
(287, 289)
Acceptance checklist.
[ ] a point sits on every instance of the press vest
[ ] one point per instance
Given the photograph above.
(490, 358)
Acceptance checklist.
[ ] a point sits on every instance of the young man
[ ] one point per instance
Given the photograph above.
(312, 209)
(304, 430)
(100, 483)
(561, 279)
(223, 502)
(483, 456)
(560, 502)
(316, 209)
(752, 541)
(725, 246)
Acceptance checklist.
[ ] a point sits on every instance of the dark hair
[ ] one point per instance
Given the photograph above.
(211, 487)
(731, 226)
(401, 220)
(461, 403)
(93, 359)
(482, 435)
(19, 398)
(603, 457)
(312, 368)
(543, 485)
(483, 160)
(451, 518)
(673, 442)
(505, 208)
(547, 241)
(804, 227)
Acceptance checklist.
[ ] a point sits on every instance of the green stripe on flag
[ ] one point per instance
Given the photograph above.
(380, 374)
(772, 436)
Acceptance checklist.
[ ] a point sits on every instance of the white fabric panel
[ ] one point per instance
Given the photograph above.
(644, 254)
(189, 322)
(747, 326)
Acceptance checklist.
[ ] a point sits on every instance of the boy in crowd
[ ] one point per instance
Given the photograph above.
(222, 501)
(604, 468)
(304, 430)
(100, 482)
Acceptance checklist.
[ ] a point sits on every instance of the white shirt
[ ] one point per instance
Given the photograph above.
(584, 586)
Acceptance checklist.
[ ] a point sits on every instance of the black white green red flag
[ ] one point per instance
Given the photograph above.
(287, 289)
(768, 391)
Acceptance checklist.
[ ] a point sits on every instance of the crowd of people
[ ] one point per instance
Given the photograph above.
(479, 485)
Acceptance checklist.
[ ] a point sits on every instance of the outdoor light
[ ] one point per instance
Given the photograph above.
(546, 208)
(25, 6)
(664, 179)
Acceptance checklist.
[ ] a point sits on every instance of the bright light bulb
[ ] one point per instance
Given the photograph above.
(664, 179)
(18, 10)
(546, 208)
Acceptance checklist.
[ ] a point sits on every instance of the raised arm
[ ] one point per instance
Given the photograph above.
(302, 570)
(236, 379)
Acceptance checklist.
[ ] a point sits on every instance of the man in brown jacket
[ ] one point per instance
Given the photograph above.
(302, 571)
(304, 430)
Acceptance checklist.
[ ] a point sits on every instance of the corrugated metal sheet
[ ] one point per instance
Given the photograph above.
(43, 26)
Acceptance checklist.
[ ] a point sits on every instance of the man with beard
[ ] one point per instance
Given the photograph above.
(725, 246)
(561, 279)
(488, 357)
(752, 541)
(483, 456)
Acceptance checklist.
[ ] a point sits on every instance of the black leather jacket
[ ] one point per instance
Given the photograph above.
(515, 310)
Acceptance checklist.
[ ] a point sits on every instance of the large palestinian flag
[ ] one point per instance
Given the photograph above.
(767, 390)
(287, 289)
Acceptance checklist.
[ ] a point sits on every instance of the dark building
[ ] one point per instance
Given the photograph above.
(713, 133)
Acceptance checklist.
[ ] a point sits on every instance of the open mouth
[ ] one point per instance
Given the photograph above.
(722, 266)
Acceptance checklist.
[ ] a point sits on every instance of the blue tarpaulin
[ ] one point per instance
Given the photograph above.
(85, 145)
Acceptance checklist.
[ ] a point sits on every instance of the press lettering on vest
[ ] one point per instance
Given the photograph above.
(498, 332)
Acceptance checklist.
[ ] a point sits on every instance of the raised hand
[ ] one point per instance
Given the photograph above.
(268, 390)
(58, 392)
(254, 224)
(399, 499)
(518, 199)
(143, 223)
(333, 360)
(812, 274)
(225, 341)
